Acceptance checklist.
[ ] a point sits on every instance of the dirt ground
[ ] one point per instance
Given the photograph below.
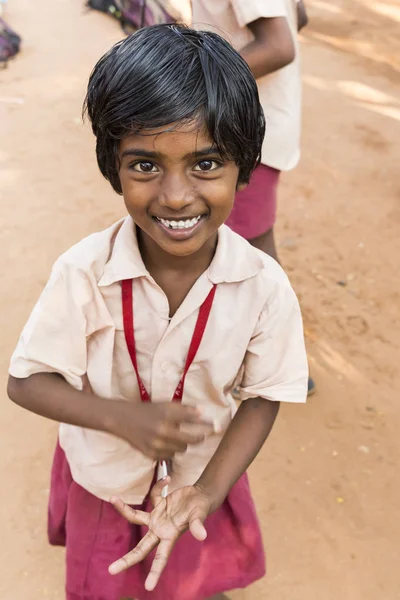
(327, 482)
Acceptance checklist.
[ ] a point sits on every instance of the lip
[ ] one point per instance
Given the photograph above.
(180, 234)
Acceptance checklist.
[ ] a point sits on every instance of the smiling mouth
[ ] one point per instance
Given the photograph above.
(179, 224)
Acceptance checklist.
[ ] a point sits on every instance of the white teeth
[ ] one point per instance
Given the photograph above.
(180, 224)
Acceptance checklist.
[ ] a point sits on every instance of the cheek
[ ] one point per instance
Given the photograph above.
(137, 195)
(222, 195)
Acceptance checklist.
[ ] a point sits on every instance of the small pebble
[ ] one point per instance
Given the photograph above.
(289, 243)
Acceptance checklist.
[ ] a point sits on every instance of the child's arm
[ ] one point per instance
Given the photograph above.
(272, 47)
(188, 507)
(48, 371)
(153, 429)
(240, 445)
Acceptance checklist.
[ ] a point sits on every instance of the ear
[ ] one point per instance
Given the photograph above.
(241, 186)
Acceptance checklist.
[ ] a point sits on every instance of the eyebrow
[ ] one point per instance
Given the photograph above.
(140, 152)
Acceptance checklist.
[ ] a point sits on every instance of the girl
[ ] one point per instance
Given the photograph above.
(144, 329)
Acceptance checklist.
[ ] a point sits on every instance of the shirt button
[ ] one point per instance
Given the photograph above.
(164, 366)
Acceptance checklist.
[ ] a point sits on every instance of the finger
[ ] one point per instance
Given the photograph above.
(188, 436)
(168, 444)
(183, 413)
(159, 563)
(138, 517)
(197, 529)
(174, 442)
(144, 547)
(166, 449)
(177, 437)
(156, 492)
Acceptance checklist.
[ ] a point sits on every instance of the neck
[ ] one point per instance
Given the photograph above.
(155, 258)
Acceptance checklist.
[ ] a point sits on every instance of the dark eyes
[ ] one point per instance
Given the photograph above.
(204, 166)
(144, 167)
(207, 165)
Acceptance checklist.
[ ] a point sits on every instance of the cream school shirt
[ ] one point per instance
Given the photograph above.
(254, 337)
(280, 92)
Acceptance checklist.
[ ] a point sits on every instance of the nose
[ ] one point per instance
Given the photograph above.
(176, 191)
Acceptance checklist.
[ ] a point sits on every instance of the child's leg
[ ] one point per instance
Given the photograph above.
(266, 243)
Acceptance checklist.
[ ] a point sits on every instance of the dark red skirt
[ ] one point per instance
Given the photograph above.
(95, 535)
(254, 210)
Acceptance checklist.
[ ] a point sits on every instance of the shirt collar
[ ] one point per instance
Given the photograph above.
(125, 261)
(234, 260)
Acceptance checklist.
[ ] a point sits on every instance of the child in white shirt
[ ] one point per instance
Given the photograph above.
(143, 331)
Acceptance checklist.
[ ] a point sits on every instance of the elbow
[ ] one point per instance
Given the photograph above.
(14, 390)
(12, 385)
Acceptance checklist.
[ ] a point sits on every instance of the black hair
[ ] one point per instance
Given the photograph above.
(169, 73)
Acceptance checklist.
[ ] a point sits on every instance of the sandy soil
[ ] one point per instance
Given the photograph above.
(327, 483)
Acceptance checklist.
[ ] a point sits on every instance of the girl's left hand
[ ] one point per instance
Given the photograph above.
(186, 508)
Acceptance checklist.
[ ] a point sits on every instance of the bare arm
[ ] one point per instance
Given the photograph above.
(153, 429)
(188, 507)
(50, 396)
(272, 47)
(240, 445)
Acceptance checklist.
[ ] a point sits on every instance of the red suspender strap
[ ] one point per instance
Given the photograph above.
(198, 333)
(127, 311)
(129, 329)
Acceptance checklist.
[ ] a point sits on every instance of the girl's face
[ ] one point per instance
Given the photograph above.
(176, 186)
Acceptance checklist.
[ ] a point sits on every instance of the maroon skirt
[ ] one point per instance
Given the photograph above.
(95, 535)
(254, 209)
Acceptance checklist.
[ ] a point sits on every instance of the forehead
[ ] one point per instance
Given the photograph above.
(172, 140)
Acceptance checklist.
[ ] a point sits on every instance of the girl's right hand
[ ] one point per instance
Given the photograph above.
(156, 429)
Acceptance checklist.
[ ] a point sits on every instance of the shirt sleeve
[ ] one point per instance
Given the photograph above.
(54, 338)
(247, 11)
(275, 365)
